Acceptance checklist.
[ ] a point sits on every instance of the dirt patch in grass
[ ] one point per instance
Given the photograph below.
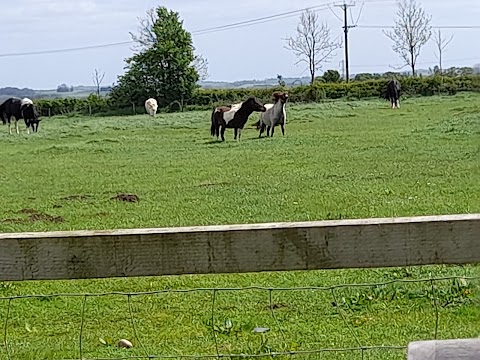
(13, 221)
(77, 198)
(35, 215)
(126, 198)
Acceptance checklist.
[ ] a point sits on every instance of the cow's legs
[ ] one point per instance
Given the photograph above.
(283, 129)
(262, 129)
(222, 133)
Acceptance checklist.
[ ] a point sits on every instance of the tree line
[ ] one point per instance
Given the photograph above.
(166, 67)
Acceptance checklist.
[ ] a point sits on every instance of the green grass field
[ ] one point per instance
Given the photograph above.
(338, 160)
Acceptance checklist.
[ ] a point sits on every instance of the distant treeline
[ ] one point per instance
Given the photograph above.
(208, 98)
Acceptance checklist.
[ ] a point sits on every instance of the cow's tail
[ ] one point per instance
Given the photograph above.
(214, 125)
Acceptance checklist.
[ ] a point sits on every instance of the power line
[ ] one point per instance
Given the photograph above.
(197, 32)
(41, 52)
(232, 26)
(260, 20)
(435, 27)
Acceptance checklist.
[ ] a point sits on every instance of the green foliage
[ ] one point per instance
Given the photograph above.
(164, 70)
(332, 76)
(201, 99)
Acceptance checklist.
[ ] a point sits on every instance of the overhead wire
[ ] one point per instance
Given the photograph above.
(236, 25)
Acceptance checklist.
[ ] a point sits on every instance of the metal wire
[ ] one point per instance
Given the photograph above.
(300, 288)
(80, 338)
(214, 291)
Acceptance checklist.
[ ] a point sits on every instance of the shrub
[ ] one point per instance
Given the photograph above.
(209, 98)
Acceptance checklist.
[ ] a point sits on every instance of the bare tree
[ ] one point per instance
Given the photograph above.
(98, 79)
(312, 43)
(411, 32)
(146, 38)
(201, 65)
(441, 44)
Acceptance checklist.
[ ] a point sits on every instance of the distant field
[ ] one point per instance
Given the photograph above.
(338, 160)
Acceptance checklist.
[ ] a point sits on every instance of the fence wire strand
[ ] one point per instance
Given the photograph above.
(5, 330)
(435, 305)
(347, 324)
(82, 322)
(214, 293)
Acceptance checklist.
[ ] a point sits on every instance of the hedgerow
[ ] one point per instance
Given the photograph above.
(208, 98)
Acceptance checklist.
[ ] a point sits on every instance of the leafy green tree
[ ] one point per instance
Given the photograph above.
(332, 76)
(162, 68)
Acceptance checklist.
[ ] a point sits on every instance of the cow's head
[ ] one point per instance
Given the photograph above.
(253, 104)
(283, 97)
(29, 113)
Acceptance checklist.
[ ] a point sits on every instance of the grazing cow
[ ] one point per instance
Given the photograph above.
(393, 93)
(233, 117)
(17, 109)
(275, 115)
(151, 107)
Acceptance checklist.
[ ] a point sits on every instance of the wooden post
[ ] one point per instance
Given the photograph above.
(455, 349)
(90, 109)
(335, 244)
(133, 107)
(49, 112)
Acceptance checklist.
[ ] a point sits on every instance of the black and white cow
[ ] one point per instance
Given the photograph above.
(19, 109)
(393, 93)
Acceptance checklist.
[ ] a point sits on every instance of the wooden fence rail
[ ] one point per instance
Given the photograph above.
(362, 243)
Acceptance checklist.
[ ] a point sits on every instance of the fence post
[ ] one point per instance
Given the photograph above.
(49, 112)
(133, 107)
(90, 109)
(458, 349)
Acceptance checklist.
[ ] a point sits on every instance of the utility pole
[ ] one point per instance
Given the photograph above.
(346, 27)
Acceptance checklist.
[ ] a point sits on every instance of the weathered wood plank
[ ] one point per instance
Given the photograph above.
(456, 349)
(362, 243)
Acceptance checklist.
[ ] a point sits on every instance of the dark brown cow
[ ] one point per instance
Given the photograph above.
(19, 109)
(233, 117)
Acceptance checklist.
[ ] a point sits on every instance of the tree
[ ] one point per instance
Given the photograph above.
(64, 88)
(332, 76)
(312, 43)
(98, 79)
(163, 69)
(146, 38)
(280, 80)
(441, 44)
(411, 32)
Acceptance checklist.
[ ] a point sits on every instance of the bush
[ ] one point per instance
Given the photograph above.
(209, 98)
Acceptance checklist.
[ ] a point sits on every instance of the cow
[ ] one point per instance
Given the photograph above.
(233, 117)
(19, 109)
(275, 115)
(393, 93)
(151, 107)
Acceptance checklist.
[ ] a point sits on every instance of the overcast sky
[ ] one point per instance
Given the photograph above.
(254, 52)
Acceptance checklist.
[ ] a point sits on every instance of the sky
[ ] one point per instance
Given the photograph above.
(253, 52)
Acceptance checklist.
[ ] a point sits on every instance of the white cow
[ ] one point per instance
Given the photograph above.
(275, 115)
(151, 107)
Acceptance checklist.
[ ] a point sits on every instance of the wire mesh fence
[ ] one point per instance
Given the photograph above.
(345, 321)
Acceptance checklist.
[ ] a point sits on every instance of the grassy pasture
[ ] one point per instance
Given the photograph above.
(337, 160)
